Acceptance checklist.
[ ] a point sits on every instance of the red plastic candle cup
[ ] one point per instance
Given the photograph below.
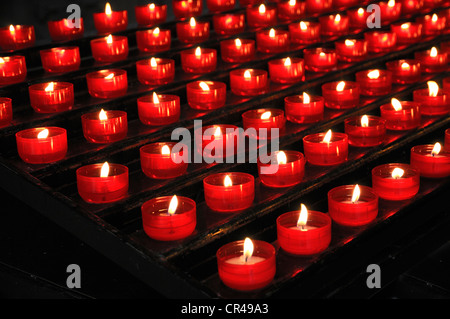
(110, 49)
(261, 16)
(12, 69)
(334, 25)
(239, 272)
(351, 50)
(60, 60)
(248, 82)
(320, 59)
(433, 101)
(6, 112)
(42, 145)
(343, 4)
(150, 14)
(404, 71)
(352, 205)
(153, 40)
(192, 31)
(432, 24)
(107, 84)
(284, 169)
(304, 239)
(237, 50)
(410, 7)
(51, 97)
(65, 30)
(407, 32)
(318, 6)
(401, 116)
(105, 126)
(358, 18)
(157, 71)
(390, 11)
(229, 192)
(272, 41)
(263, 121)
(447, 140)
(326, 149)
(380, 41)
(110, 21)
(395, 181)
(184, 9)
(341, 95)
(102, 183)
(17, 37)
(430, 161)
(289, 70)
(216, 142)
(365, 131)
(215, 6)
(159, 161)
(432, 61)
(161, 221)
(206, 95)
(199, 60)
(374, 82)
(158, 109)
(229, 23)
(291, 10)
(304, 32)
(304, 108)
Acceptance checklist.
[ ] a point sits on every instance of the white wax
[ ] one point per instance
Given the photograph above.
(241, 261)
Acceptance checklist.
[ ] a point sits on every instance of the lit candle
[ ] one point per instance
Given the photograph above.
(153, 40)
(192, 31)
(229, 23)
(286, 168)
(288, 70)
(110, 49)
(217, 142)
(155, 72)
(215, 6)
(104, 126)
(407, 32)
(351, 50)
(17, 37)
(431, 61)
(272, 41)
(248, 82)
(51, 97)
(267, 123)
(184, 9)
(431, 160)
(320, 59)
(433, 100)
(261, 16)
(365, 131)
(374, 82)
(62, 30)
(380, 41)
(150, 14)
(304, 108)
(6, 113)
(432, 24)
(199, 60)
(357, 18)
(13, 69)
(162, 109)
(341, 95)
(404, 71)
(60, 60)
(326, 149)
(291, 10)
(110, 21)
(304, 32)
(159, 161)
(318, 6)
(389, 11)
(334, 25)
(395, 181)
(237, 50)
(107, 84)
(206, 95)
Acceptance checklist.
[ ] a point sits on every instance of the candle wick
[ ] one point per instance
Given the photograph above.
(303, 227)
(245, 259)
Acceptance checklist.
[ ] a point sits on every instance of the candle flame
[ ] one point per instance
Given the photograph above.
(2, 61)
(153, 63)
(272, 33)
(356, 194)
(247, 74)
(217, 132)
(337, 18)
(306, 98)
(109, 39)
(433, 52)
(375, 74)
(238, 42)
(12, 29)
(198, 52)
(350, 43)
(151, 6)
(436, 149)
(361, 11)
(327, 137)
(248, 249)
(156, 31)
(155, 98)
(397, 173)
(227, 181)
(104, 172)
(287, 61)
(50, 87)
(303, 217)
(109, 76)
(102, 115)
(303, 26)
(281, 157)
(391, 3)
(266, 115)
(192, 22)
(165, 150)
(340, 86)
(204, 86)
(433, 88)
(405, 25)
(292, 2)
(43, 134)
(322, 53)
(262, 9)
(396, 104)
(108, 10)
(434, 18)
(364, 121)
(173, 205)
(405, 66)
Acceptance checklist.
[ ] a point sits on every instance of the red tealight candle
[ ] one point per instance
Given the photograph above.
(162, 109)
(192, 31)
(431, 161)
(110, 21)
(237, 50)
(410, 7)
(169, 218)
(150, 14)
(303, 108)
(110, 49)
(153, 40)
(51, 97)
(365, 131)
(407, 32)
(432, 61)
(352, 205)
(12, 69)
(389, 11)
(199, 60)
(304, 32)
(433, 101)
(104, 126)
(287, 70)
(216, 142)
(333, 25)
(107, 84)
(404, 71)
(248, 82)
(229, 192)
(447, 140)
(358, 18)
(291, 10)
(351, 50)
(264, 123)
(318, 6)
(17, 37)
(378, 41)
(184, 9)
(272, 41)
(400, 116)
(282, 169)
(206, 95)
(320, 59)
(261, 16)
(63, 30)
(395, 181)
(60, 60)
(220, 5)
(305, 232)
(341, 95)
(326, 149)
(229, 23)
(246, 265)
(432, 24)
(102, 183)
(42, 145)
(155, 71)
(159, 161)
(374, 82)
(6, 112)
